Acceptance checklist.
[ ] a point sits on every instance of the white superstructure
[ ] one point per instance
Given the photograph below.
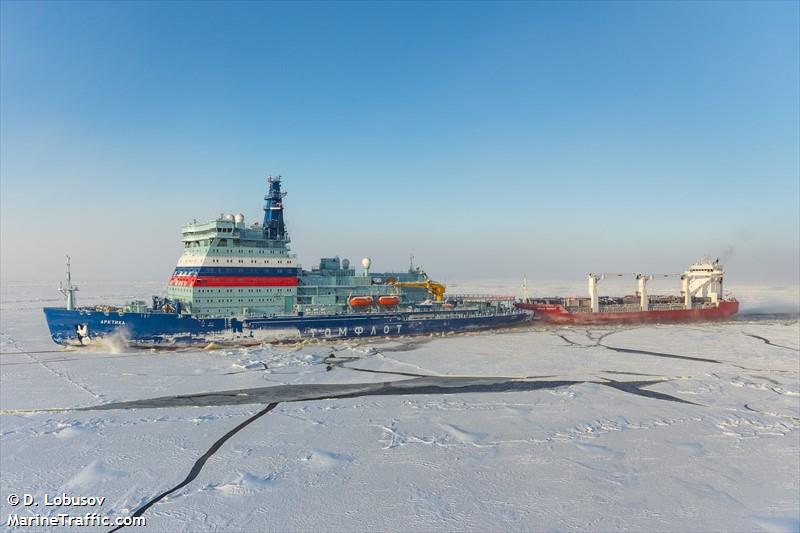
(702, 280)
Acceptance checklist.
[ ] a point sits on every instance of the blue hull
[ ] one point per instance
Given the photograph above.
(84, 326)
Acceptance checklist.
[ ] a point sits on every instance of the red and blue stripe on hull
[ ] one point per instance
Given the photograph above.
(234, 277)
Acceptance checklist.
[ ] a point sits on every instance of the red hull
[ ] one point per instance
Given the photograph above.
(557, 314)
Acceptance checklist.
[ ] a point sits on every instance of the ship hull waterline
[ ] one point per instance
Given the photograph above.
(557, 314)
(170, 330)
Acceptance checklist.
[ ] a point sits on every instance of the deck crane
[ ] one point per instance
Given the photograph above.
(644, 299)
(642, 281)
(594, 279)
(433, 288)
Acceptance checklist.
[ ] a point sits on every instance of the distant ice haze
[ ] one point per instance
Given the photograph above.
(117, 243)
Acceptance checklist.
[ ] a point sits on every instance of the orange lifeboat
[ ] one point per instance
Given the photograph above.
(360, 301)
(389, 300)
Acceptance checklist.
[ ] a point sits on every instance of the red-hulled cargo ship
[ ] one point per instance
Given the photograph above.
(559, 314)
(701, 299)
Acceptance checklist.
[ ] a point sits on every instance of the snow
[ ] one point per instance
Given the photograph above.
(692, 427)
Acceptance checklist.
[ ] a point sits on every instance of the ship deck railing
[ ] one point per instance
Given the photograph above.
(632, 308)
(461, 314)
(480, 297)
(666, 307)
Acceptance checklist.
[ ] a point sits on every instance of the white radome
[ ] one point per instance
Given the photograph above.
(366, 262)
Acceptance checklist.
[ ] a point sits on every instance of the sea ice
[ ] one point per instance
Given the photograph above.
(662, 427)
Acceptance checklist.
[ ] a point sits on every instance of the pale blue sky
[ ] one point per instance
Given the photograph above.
(489, 139)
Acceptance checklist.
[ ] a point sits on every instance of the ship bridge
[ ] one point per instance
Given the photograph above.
(230, 268)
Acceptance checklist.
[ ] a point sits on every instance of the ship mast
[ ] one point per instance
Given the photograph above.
(274, 226)
(69, 290)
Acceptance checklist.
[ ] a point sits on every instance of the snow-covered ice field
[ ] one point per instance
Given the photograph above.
(668, 427)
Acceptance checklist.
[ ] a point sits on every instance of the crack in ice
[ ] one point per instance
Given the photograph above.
(769, 342)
